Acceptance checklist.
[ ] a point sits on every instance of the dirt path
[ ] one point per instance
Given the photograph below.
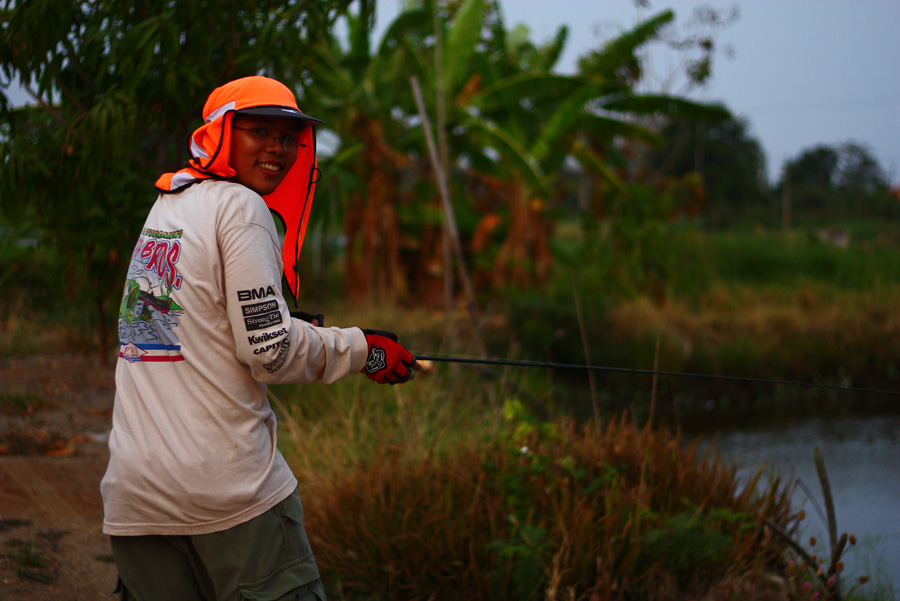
(54, 420)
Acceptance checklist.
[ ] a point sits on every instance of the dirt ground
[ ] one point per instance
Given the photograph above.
(55, 416)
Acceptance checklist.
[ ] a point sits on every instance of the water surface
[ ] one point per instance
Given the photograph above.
(862, 458)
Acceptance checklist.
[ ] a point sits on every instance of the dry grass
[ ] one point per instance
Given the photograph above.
(810, 331)
(420, 493)
(327, 430)
(23, 333)
(424, 491)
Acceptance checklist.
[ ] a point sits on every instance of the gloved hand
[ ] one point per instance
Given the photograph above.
(319, 317)
(388, 362)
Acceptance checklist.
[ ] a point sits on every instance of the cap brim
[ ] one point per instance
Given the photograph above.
(279, 111)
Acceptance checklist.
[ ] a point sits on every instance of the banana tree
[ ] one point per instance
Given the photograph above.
(509, 121)
(470, 50)
(392, 222)
(364, 98)
(534, 120)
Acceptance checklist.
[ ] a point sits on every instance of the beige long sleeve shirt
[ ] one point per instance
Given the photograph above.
(203, 327)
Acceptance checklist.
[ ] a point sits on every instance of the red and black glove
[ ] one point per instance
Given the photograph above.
(388, 362)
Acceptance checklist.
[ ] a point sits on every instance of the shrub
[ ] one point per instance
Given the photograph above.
(544, 512)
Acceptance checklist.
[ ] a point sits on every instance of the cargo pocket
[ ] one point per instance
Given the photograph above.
(291, 582)
(298, 577)
(296, 544)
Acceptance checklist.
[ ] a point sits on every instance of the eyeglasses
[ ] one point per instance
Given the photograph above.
(288, 142)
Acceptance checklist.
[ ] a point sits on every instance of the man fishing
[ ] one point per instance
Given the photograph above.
(198, 501)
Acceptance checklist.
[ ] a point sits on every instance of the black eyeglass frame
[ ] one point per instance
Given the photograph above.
(268, 136)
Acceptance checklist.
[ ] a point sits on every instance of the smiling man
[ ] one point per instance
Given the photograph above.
(198, 501)
(264, 153)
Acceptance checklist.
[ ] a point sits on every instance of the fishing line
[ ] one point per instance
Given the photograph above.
(649, 372)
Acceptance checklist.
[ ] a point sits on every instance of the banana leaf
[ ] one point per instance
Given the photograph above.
(594, 163)
(461, 42)
(605, 62)
(526, 85)
(516, 156)
(607, 127)
(671, 106)
(413, 20)
(562, 122)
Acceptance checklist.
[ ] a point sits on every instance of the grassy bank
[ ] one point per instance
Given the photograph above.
(431, 490)
(425, 489)
(752, 304)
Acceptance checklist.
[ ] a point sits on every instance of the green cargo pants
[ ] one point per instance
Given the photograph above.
(265, 559)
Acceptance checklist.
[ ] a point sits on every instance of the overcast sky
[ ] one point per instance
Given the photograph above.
(803, 72)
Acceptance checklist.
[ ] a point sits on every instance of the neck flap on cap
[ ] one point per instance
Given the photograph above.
(210, 147)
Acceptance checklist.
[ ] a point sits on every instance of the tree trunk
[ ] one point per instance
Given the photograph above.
(524, 257)
(373, 267)
(431, 270)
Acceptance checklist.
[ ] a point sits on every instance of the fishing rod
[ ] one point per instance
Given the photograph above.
(649, 372)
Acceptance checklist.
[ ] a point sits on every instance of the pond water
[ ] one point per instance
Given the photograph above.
(862, 459)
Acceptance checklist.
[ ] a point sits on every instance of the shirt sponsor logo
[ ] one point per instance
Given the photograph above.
(248, 310)
(278, 362)
(263, 321)
(255, 293)
(266, 336)
(268, 347)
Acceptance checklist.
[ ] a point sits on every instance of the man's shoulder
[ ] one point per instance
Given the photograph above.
(226, 195)
(234, 202)
(224, 188)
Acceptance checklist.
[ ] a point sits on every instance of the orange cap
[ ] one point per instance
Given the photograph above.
(210, 146)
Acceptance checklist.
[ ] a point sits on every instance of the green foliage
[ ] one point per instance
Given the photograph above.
(642, 249)
(651, 250)
(769, 259)
(730, 162)
(501, 111)
(619, 60)
(746, 303)
(39, 310)
(838, 182)
(30, 273)
(545, 324)
(116, 87)
(461, 43)
(687, 547)
(31, 561)
(527, 556)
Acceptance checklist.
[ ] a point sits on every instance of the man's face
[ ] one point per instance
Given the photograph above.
(259, 161)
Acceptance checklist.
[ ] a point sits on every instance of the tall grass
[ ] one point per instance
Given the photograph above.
(330, 429)
(25, 332)
(811, 331)
(759, 305)
(423, 491)
(771, 259)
